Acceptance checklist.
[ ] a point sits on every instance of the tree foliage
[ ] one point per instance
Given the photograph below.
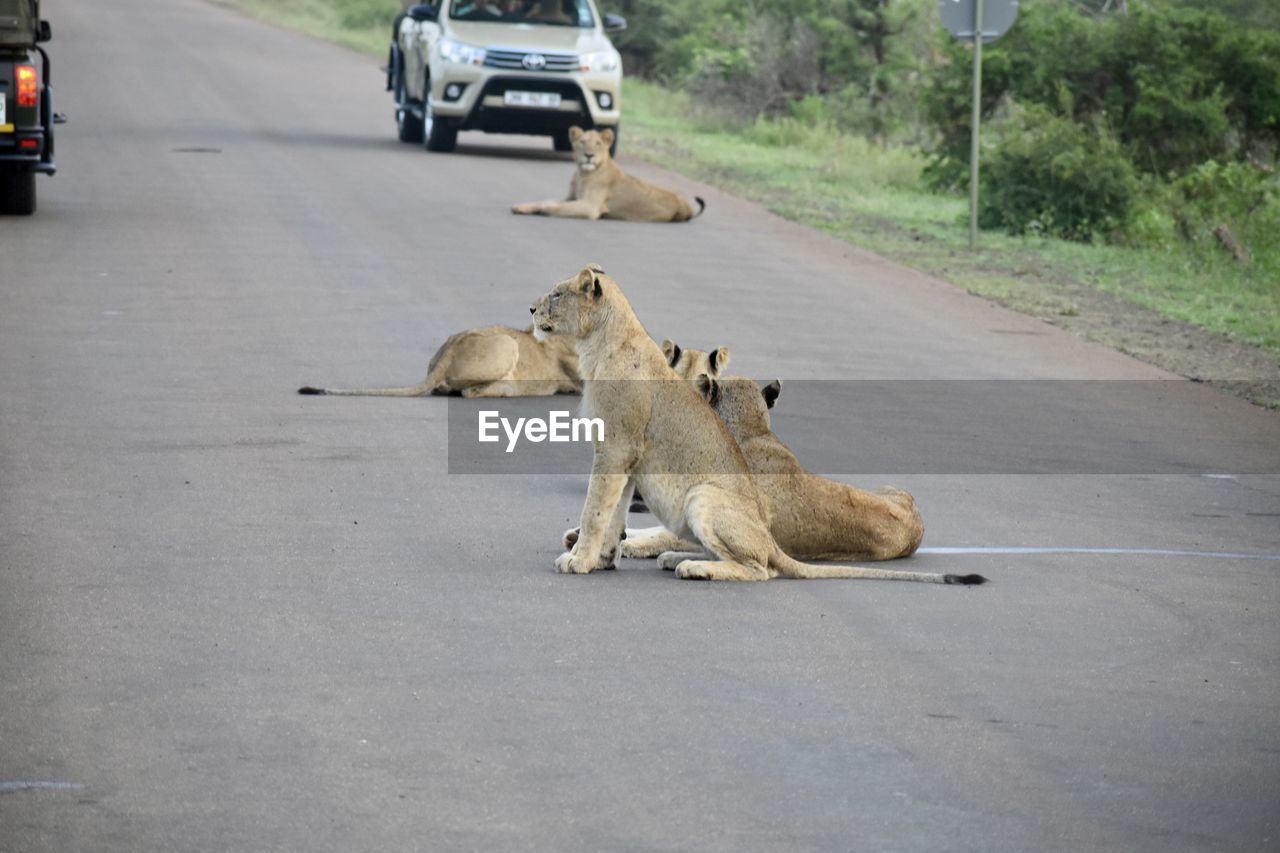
(1125, 119)
(1177, 85)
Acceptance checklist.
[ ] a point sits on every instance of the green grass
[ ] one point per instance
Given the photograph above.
(874, 197)
(363, 25)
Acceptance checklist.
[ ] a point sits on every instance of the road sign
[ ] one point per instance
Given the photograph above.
(962, 18)
(997, 17)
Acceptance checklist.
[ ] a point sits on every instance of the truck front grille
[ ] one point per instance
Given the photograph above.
(531, 60)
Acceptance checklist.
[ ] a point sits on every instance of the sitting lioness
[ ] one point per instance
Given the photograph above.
(810, 516)
(496, 361)
(661, 436)
(599, 188)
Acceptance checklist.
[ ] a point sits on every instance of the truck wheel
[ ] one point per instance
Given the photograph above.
(613, 146)
(18, 193)
(408, 124)
(440, 135)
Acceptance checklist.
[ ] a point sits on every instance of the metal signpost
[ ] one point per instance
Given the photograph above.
(965, 19)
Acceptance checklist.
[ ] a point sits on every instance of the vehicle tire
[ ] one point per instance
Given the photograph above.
(408, 125)
(438, 133)
(18, 193)
(560, 140)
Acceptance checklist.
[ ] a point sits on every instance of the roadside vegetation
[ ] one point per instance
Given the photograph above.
(363, 25)
(1129, 148)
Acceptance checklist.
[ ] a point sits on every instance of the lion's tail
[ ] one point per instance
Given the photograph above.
(702, 205)
(789, 568)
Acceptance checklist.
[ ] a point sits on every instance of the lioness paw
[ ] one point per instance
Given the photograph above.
(569, 563)
(668, 560)
(571, 537)
(690, 570)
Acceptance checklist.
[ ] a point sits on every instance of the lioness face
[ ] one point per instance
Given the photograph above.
(569, 307)
(742, 404)
(590, 147)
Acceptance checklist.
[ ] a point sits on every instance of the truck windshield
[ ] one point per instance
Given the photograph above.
(558, 13)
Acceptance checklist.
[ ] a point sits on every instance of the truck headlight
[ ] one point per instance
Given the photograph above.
(459, 53)
(604, 60)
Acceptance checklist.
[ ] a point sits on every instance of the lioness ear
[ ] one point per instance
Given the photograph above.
(575, 133)
(708, 388)
(606, 136)
(719, 359)
(771, 392)
(672, 351)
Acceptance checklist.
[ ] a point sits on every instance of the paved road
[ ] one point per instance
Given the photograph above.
(233, 618)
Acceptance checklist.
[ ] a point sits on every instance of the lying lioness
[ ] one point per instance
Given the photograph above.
(661, 436)
(496, 361)
(810, 516)
(599, 188)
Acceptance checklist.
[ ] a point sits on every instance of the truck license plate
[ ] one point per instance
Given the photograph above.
(531, 99)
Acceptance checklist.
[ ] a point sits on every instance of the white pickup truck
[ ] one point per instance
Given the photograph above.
(504, 66)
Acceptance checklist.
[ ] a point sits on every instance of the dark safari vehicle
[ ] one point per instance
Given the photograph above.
(26, 105)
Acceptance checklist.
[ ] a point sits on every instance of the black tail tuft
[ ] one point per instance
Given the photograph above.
(965, 580)
(702, 205)
(307, 389)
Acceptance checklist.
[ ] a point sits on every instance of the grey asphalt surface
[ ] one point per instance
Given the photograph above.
(233, 618)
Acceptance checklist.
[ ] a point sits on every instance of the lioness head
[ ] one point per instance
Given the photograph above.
(742, 404)
(692, 363)
(571, 307)
(590, 147)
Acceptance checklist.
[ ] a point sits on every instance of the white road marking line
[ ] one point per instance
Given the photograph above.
(22, 785)
(1145, 552)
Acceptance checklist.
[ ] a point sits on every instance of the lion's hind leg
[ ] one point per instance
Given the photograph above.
(479, 362)
(737, 538)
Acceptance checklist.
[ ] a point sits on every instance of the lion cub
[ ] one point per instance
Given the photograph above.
(599, 188)
(810, 516)
(659, 435)
(496, 361)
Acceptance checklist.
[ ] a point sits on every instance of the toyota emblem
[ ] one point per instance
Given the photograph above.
(534, 61)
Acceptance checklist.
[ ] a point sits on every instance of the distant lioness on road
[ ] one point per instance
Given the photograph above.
(496, 361)
(660, 435)
(601, 189)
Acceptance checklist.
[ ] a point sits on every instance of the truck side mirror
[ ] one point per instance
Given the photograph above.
(614, 23)
(45, 32)
(423, 12)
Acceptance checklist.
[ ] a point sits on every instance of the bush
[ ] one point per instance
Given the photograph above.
(1050, 175)
(1177, 85)
(1187, 212)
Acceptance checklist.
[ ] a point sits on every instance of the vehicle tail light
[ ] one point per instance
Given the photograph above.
(29, 144)
(28, 89)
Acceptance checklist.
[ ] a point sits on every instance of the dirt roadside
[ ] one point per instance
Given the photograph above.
(1230, 365)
